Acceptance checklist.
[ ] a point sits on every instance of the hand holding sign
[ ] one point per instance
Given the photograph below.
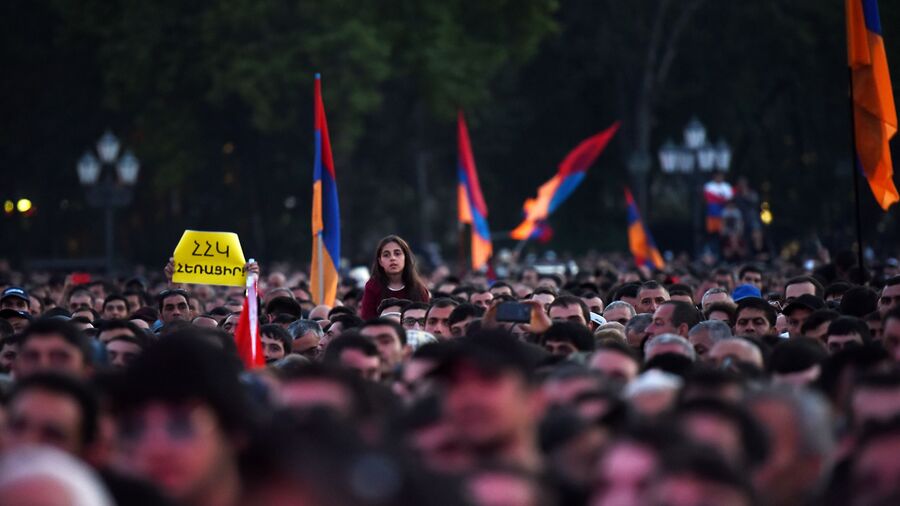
(209, 258)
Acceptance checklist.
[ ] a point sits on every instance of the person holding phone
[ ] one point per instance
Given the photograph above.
(394, 275)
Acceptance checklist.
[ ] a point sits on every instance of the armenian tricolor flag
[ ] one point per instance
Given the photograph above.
(639, 240)
(472, 209)
(326, 218)
(874, 115)
(717, 195)
(555, 191)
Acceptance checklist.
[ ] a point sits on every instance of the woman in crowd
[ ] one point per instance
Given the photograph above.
(394, 274)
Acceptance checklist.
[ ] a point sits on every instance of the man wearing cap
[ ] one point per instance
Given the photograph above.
(799, 310)
(492, 399)
(744, 291)
(15, 298)
(18, 319)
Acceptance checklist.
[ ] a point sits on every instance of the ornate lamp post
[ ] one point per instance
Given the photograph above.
(108, 189)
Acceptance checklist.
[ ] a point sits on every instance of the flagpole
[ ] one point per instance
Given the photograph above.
(462, 250)
(321, 269)
(855, 169)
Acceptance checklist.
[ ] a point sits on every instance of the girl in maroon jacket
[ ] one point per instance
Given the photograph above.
(393, 275)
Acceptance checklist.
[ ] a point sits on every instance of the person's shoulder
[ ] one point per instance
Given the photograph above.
(372, 285)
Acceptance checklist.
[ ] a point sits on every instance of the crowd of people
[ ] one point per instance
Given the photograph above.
(736, 385)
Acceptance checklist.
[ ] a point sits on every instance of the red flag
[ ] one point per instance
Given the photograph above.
(246, 335)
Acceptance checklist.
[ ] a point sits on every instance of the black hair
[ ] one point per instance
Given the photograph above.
(113, 297)
(185, 368)
(849, 325)
(340, 310)
(284, 305)
(817, 318)
(749, 268)
(684, 312)
(699, 463)
(627, 290)
(348, 321)
(754, 441)
(275, 331)
(571, 300)
(617, 346)
(500, 284)
(392, 301)
(68, 386)
(859, 301)
(725, 307)
(674, 363)
(62, 328)
(651, 285)
(219, 311)
(681, 289)
(401, 332)
(549, 290)
(414, 305)
(806, 279)
(105, 325)
(891, 281)
(836, 288)
(578, 335)
(860, 358)
(463, 311)
(441, 303)
(348, 341)
(760, 305)
(163, 295)
(797, 354)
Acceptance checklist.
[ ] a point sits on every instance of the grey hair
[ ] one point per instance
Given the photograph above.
(718, 330)
(639, 322)
(78, 482)
(299, 328)
(712, 291)
(812, 417)
(621, 303)
(670, 339)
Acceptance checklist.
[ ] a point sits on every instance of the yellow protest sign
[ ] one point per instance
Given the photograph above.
(209, 258)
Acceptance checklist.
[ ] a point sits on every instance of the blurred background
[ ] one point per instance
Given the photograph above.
(214, 102)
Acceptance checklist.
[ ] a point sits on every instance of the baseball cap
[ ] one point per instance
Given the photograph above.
(597, 319)
(744, 291)
(15, 292)
(12, 313)
(805, 301)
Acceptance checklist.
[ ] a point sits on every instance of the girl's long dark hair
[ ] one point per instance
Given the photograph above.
(410, 275)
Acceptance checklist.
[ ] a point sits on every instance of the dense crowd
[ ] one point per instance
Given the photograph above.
(699, 385)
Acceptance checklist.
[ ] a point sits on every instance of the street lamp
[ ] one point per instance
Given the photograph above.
(108, 189)
(695, 158)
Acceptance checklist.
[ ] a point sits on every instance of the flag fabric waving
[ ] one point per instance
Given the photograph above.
(874, 115)
(639, 240)
(326, 219)
(246, 334)
(571, 172)
(472, 209)
(717, 194)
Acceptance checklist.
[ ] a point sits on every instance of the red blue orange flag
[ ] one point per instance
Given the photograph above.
(717, 195)
(555, 191)
(472, 209)
(326, 218)
(639, 240)
(874, 114)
